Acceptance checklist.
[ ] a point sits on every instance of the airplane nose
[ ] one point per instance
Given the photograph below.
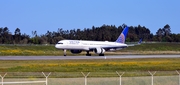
(56, 46)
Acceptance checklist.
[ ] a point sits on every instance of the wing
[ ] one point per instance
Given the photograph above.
(140, 41)
(108, 48)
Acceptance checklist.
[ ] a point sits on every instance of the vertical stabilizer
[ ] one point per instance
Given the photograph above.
(122, 36)
(140, 41)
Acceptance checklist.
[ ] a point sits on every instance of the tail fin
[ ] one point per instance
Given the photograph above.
(122, 36)
(140, 41)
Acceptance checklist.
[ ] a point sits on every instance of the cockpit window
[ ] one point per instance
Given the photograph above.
(59, 43)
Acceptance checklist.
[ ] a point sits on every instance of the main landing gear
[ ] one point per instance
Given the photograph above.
(101, 54)
(88, 54)
(64, 52)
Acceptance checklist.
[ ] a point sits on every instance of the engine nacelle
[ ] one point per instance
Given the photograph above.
(76, 51)
(99, 50)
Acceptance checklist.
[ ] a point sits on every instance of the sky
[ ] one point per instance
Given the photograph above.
(49, 15)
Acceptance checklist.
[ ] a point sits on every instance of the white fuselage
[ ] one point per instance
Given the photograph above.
(87, 45)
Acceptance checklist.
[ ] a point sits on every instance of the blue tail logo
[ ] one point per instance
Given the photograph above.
(122, 37)
(140, 41)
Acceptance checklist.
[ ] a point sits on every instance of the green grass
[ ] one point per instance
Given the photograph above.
(28, 50)
(100, 67)
(97, 67)
(37, 50)
(156, 47)
(108, 65)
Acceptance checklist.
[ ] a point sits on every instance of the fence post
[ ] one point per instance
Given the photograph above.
(179, 76)
(152, 74)
(85, 77)
(46, 77)
(2, 78)
(119, 77)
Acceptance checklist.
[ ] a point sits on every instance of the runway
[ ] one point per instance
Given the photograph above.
(85, 57)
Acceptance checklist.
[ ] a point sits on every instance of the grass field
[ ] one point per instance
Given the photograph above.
(98, 66)
(151, 48)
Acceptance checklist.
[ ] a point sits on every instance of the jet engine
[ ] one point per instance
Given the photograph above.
(99, 50)
(76, 51)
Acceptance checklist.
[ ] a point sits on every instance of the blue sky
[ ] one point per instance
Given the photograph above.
(44, 15)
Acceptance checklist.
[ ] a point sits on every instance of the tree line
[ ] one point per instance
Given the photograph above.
(103, 33)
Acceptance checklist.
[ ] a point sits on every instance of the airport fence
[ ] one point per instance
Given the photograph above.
(91, 78)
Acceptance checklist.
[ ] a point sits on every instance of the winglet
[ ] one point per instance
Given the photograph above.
(122, 36)
(140, 41)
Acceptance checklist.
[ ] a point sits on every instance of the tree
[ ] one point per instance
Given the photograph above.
(167, 30)
(43, 39)
(17, 36)
(105, 32)
(6, 36)
(35, 38)
(25, 39)
(160, 34)
(1, 35)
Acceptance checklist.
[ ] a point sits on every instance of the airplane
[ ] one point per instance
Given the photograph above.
(140, 41)
(99, 47)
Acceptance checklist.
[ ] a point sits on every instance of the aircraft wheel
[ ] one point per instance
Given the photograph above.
(101, 54)
(88, 54)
